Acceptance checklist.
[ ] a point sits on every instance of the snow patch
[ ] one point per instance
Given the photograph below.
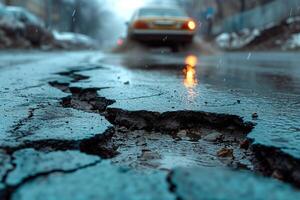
(293, 20)
(74, 38)
(19, 28)
(293, 42)
(236, 40)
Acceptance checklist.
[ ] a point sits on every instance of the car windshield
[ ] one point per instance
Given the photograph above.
(153, 12)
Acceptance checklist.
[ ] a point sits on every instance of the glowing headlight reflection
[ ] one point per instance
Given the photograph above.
(189, 71)
(190, 77)
(190, 80)
(191, 60)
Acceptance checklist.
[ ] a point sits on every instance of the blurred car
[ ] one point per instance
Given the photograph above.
(162, 27)
(24, 16)
(23, 27)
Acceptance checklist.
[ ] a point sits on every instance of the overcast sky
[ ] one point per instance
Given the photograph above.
(124, 8)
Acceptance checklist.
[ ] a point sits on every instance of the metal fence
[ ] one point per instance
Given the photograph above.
(261, 17)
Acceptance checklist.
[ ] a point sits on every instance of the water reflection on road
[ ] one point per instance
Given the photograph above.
(267, 84)
(190, 79)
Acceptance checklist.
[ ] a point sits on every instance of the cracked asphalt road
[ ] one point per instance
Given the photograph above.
(90, 125)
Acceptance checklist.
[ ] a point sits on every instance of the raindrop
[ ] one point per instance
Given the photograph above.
(249, 56)
(74, 13)
(220, 63)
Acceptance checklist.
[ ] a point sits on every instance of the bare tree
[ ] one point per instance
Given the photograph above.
(76, 14)
(243, 5)
(220, 8)
(8, 2)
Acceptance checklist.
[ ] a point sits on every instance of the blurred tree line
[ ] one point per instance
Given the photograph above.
(79, 16)
(84, 16)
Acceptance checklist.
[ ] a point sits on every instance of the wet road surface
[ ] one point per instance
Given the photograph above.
(237, 83)
(165, 113)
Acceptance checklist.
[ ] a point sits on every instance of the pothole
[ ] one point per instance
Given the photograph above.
(146, 139)
(82, 99)
(163, 140)
(193, 147)
(183, 138)
(86, 100)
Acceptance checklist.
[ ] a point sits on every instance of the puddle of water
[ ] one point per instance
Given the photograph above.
(144, 150)
(190, 77)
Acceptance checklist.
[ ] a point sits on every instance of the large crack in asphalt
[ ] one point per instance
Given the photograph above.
(176, 120)
(277, 164)
(86, 100)
(140, 134)
(97, 145)
(226, 132)
(145, 139)
(99, 142)
(172, 186)
(10, 189)
(16, 129)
